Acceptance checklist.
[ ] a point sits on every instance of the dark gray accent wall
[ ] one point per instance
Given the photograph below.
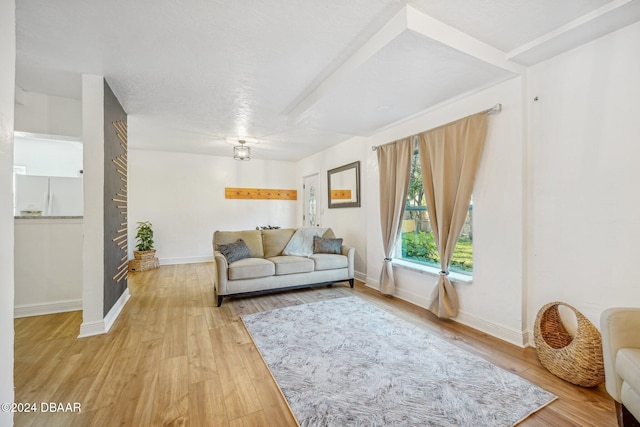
(114, 216)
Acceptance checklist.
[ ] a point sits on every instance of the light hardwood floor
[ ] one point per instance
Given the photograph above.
(173, 358)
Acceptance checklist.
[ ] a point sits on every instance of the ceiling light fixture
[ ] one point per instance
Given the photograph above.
(241, 152)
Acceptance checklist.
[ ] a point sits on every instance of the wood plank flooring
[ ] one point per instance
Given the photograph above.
(172, 358)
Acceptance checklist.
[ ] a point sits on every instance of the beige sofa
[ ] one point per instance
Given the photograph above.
(620, 329)
(267, 268)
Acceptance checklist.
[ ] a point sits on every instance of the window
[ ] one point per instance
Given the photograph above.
(417, 243)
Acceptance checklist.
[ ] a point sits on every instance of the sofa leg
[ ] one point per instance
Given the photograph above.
(625, 418)
(351, 282)
(220, 297)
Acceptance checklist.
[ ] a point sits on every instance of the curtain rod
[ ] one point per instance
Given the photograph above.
(495, 109)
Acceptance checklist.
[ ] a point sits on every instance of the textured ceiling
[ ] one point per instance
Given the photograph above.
(409, 57)
(296, 75)
(507, 24)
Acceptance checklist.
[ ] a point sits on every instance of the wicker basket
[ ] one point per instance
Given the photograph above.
(577, 359)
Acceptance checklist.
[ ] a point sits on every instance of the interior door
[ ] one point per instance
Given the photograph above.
(311, 214)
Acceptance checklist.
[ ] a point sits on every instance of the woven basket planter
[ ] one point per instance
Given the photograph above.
(144, 255)
(576, 359)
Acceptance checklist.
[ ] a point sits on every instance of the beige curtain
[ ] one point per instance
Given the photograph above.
(449, 157)
(394, 165)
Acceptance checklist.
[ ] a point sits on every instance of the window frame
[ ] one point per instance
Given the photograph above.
(432, 268)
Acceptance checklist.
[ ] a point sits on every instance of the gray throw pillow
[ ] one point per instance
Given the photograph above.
(326, 246)
(234, 251)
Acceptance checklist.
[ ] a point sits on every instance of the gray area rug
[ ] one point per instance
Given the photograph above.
(344, 362)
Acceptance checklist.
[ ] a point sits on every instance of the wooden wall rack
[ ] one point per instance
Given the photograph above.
(260, 194)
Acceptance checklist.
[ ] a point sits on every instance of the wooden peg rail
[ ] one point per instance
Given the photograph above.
(260, 194)
(120, 199)
(341, 194)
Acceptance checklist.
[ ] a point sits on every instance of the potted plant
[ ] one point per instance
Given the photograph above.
(144, 236)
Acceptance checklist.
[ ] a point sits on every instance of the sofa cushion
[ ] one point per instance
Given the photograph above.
(631, 400)
(292, 264)
(274, 241)
(323, 245)
(253, 239)
(329, 234)
(628, 366)
(234, 251)
(329, 261)
(251, 268)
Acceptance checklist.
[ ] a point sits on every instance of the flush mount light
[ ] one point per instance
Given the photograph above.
(241, 152)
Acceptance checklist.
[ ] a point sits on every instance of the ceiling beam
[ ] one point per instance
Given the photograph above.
(386, 34)
(547, 45)
(408, 19)
(436, 30)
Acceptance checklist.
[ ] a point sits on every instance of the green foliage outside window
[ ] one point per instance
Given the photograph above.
(417, 240)
(421, 247)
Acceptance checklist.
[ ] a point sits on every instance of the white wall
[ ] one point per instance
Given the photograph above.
(48, 267)
(48, 157)
(347, 223)
(93, 222)
(47, 114)
(182, 195)
(7, 85)
(585, 204)
(493, 302)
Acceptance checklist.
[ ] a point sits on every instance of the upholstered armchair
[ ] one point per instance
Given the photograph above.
(620, 329)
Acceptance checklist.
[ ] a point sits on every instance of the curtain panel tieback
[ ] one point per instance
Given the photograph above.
(394, 165)
(449, 157)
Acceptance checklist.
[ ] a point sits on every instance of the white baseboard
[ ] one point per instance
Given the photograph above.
(29, 310)
(360, 276)
(528, 339)
(521, 339)
(185, 260)
(506, 334)
(113, 314)
(88, 329)
(412, 298)
(372, 283)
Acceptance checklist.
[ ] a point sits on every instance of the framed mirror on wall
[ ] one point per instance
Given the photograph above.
(343, 184)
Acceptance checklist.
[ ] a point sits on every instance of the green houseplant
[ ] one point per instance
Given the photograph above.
(144, 237)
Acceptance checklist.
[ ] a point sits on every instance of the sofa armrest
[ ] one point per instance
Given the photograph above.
(221, 267)
(619, 328)
(350, 253)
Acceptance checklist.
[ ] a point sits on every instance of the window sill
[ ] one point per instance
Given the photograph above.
(432, 271)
